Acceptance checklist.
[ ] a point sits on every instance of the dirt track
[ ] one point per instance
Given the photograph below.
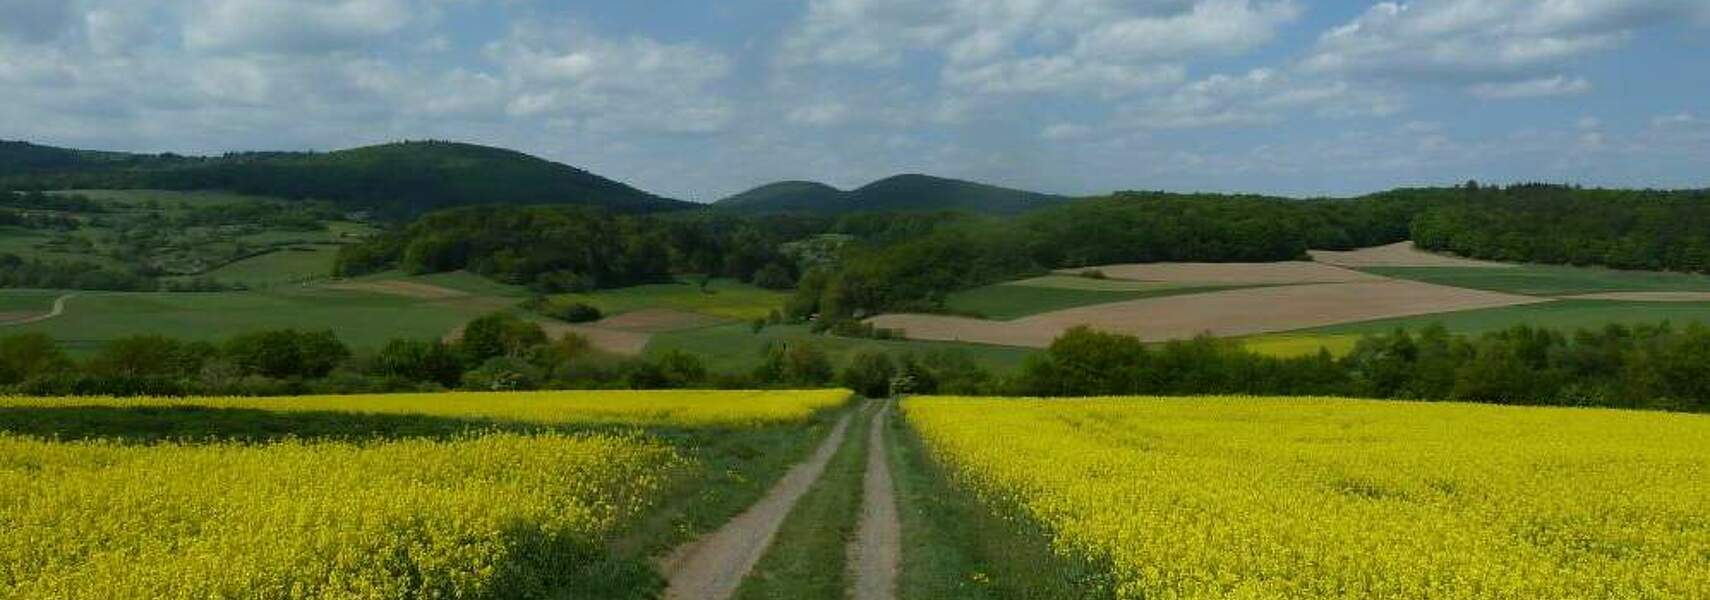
(876, 551)
(57, 310)
(713, 567)
(1224, 314)
(1403, 254)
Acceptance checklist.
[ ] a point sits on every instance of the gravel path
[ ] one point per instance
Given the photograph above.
(711, 568)
(877, 548)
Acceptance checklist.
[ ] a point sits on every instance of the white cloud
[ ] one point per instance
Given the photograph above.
(294, 26)
(1261, 96)
(820, 115)
(635, 83)
(1524, 43)
(1110, 47)
(1062, 132)
(1560, 85)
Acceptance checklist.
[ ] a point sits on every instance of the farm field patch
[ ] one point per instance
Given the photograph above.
(722, 298)
(1009, 301)
(360, 319)
(1285, 345)
(285, 266)
(1224, 314)
(1280, 273)
(1218, 498)
(1547, 280)
(448, 495)
(1561, 314)
(1403, 254)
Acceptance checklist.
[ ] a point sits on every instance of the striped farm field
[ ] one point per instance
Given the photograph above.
(1329, 498)
(407, 496)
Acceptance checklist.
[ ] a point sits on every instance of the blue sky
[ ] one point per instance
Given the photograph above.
(699, 99)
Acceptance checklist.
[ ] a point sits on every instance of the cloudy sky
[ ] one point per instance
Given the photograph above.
(699, 99)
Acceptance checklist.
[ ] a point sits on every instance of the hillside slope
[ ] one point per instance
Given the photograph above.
(397, 180)
(922, 193)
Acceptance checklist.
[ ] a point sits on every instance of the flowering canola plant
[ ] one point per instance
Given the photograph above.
(1326, 498)
(485, 513)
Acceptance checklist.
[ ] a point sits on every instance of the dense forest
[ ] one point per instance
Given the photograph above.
(945, 255)
(1623, 229)
(1652, 367)
(400, 180)
(575, 249)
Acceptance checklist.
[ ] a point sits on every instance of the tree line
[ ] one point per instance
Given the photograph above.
(1659, 367)
(1553, 224)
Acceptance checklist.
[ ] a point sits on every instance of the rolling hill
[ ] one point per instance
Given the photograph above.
(397, 180)
(900, 193)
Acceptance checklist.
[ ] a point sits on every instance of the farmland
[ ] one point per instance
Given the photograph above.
(463, 495)
(1214, 498)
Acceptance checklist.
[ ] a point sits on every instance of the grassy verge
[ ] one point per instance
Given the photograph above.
(809, 558)
(957, 547)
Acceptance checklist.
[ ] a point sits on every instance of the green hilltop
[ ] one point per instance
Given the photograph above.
(902, 193)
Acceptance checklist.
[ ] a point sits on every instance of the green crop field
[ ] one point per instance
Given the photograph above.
(736, 347)
(1561, 314)
(362, 320)
(289, 265)
(1009, 301)
(723, 298)
(27, 300)
(1543, 280)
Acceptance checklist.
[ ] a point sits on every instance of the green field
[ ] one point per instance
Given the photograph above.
(360, 319)
(736, 347)
(1561, 314)
(27, 300)
(1010, 301)
(1285, 345)
(289, 265)
(723, 298)
(1545, 280)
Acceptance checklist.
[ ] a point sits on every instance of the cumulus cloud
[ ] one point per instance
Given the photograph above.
(632, 83)
(294, 26)
(1560, 85)
(1496, 48)
(1111, 47)
(1260, 96)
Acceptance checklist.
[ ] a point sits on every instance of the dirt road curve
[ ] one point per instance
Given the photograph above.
(58, 309)
(712, 567)
(877, 549)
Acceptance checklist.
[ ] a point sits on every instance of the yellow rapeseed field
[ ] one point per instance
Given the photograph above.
(482, 514)
(644, 408)
(1321, 498)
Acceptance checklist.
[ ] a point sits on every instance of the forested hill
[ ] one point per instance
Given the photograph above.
(397, 180)
(903, 193)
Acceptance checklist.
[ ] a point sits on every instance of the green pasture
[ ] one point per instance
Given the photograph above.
(1547, 280)
(362, 320)
(285, 266)
(726, 298)
(1560, 314)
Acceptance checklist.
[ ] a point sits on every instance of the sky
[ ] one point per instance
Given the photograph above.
(700, 99)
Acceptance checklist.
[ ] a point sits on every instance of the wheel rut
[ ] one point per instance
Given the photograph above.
(713, 567)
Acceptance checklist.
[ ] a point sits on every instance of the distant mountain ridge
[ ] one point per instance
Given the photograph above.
(400, 179)
(911, 192)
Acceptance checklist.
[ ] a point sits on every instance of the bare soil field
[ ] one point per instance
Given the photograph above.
(407, 289)
(1646, 296)
(1076, 282)
(1232, 273)
(1224, 314)
(658, 320)
(1402, 254)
